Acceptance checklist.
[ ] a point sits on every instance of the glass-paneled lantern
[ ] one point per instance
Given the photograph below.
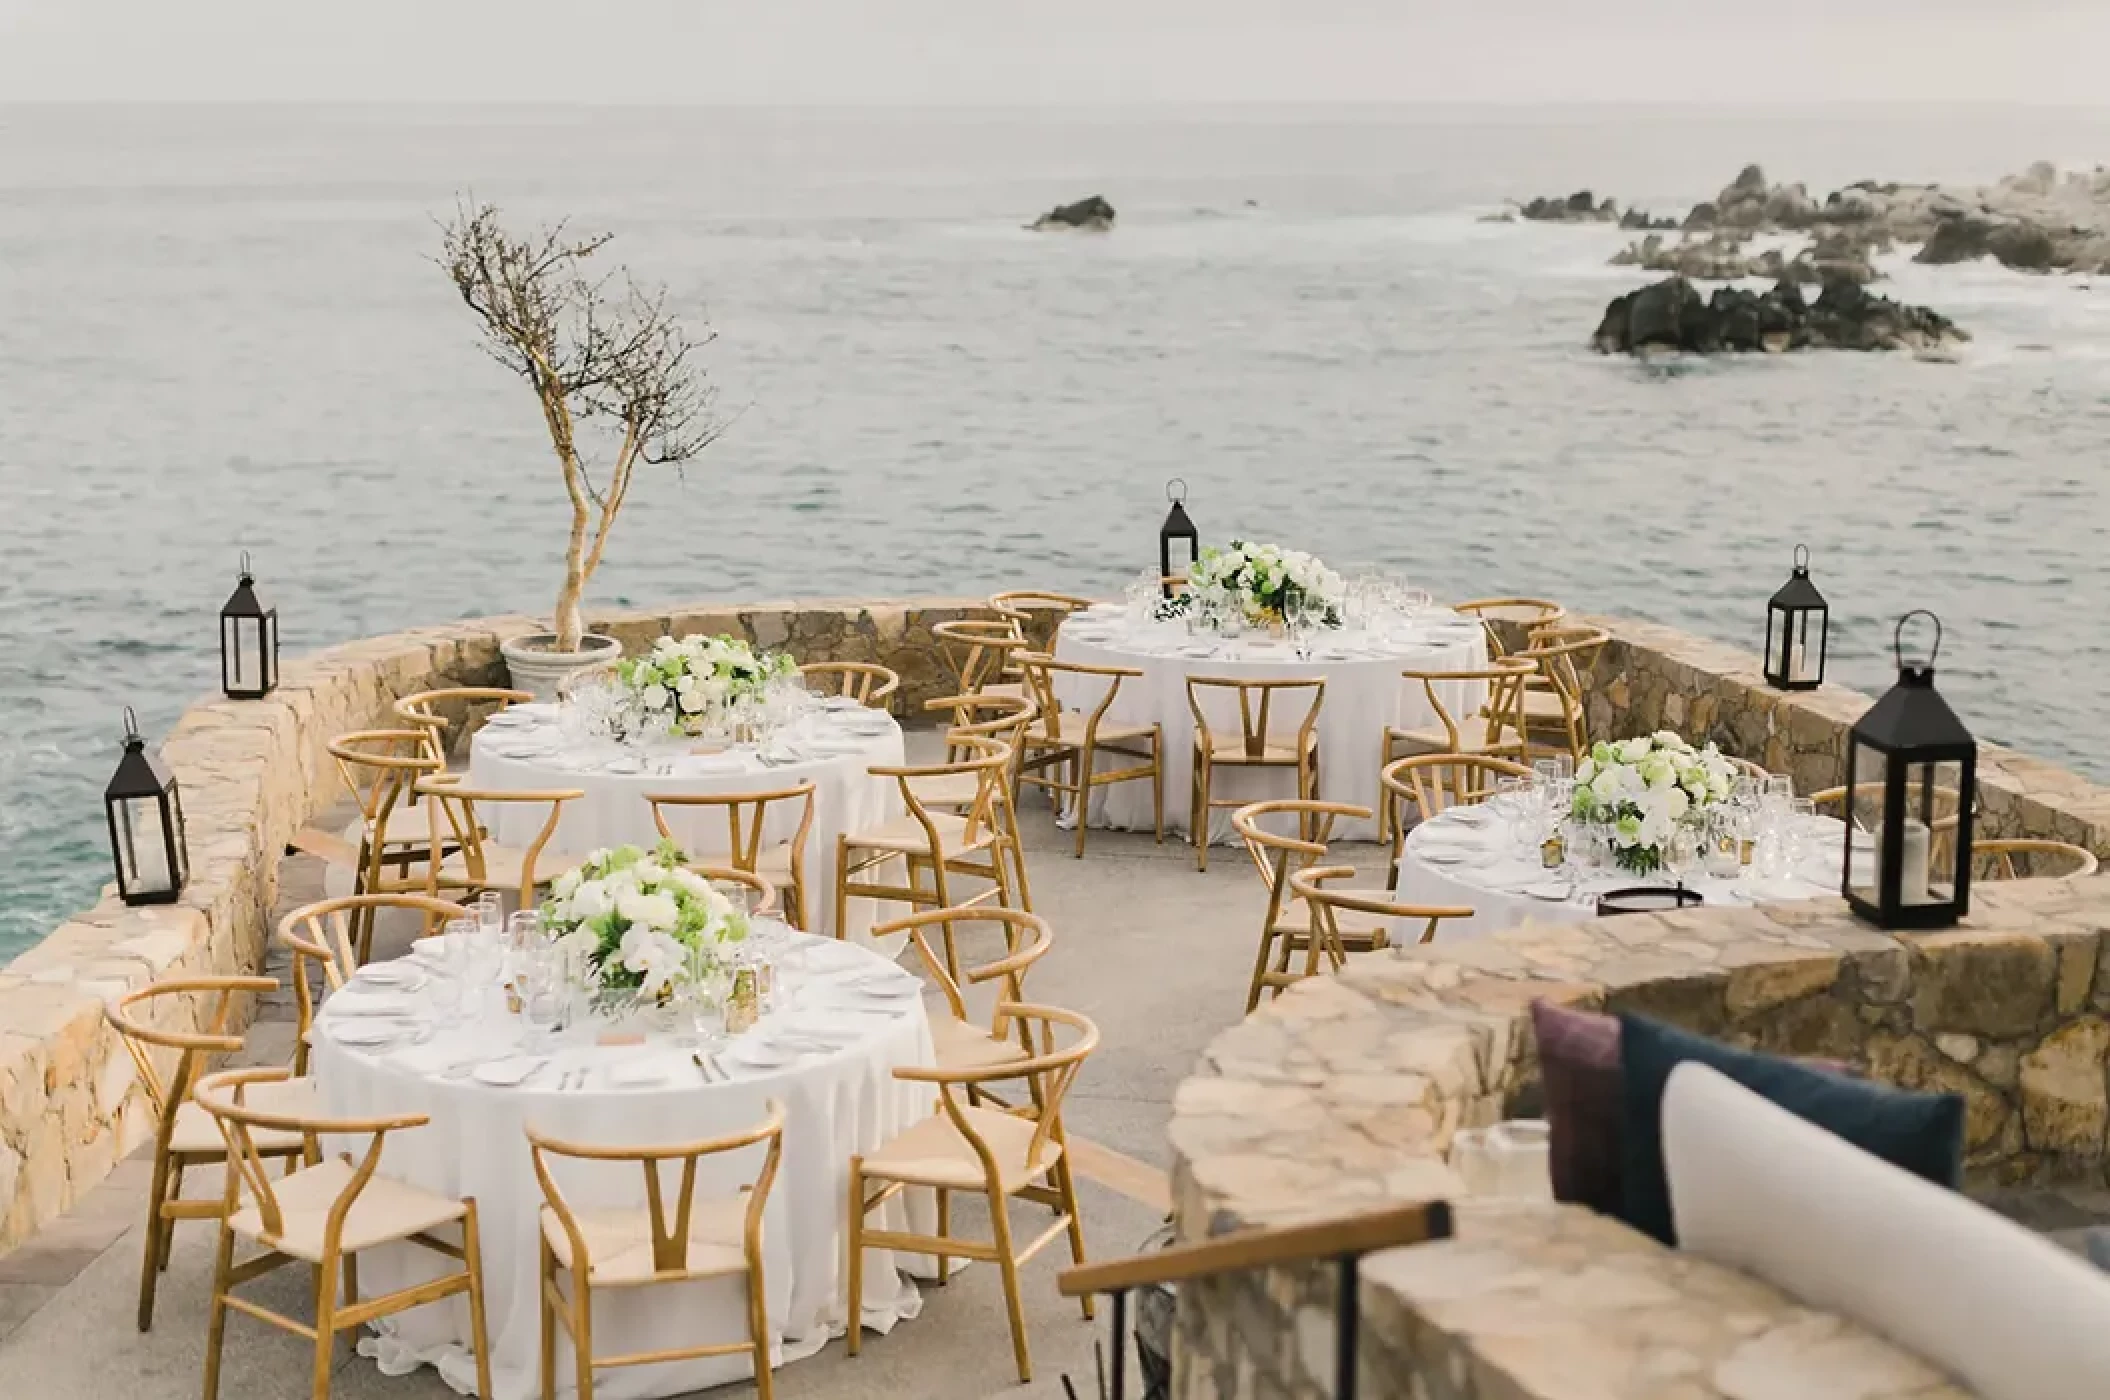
(1912, 770)
(146, 825)
(1177, 527)
(248, 642)
(1798, 624)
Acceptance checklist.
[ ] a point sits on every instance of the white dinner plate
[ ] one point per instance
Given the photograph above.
(355, 1002)
(1449, 855)
(398, 975)
(510, 719)
(367, 1034)
(507, 1074)
(761, 1054)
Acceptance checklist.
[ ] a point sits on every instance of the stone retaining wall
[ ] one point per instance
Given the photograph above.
(1652, 677)
(1346, 1092)
(252, 773)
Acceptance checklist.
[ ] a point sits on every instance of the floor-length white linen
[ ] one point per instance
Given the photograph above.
(835, 1104)
(1459, 859)
(614, 812)
(1364, 694)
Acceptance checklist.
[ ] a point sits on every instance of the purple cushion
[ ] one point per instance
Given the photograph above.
(1579, 1070)
(1586, 1103)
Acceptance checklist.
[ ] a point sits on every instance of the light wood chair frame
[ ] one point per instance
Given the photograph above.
(383, 768)
(1037, 613)
(193, 1051)
(1277, 856)
(746, 820)
(1539, 613)
(866, 682)
(326, 933)
(1053, 1072)
(422, 711)
(670, 1249)
(1255, 738)
(223, 1095)
(761, 887)
(855, 855)
(1075, 756)
(1749, 768)
(1942, 839)
(1027, 939)
(979, 651)
(1557, 652)
(454, 819)
(1434, 783)
(1501, 718)
(1010, 715)
(2003, 851)
(1327, 906)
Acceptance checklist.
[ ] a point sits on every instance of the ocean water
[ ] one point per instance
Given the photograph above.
(220, 330)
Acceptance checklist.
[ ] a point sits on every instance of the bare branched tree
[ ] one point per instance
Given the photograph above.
(615, 374)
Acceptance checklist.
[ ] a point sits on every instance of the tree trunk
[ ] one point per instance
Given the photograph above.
(570, 626)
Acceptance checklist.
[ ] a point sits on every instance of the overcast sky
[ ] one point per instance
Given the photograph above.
(1057, 51)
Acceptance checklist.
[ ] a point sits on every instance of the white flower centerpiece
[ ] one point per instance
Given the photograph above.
(1643, 788)
(1268, 583)
(638, 919)
(682, 681)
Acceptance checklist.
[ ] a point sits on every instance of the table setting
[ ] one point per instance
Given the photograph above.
(1260, 611)
(640, 1005)
(1550, 846)
(695, 716)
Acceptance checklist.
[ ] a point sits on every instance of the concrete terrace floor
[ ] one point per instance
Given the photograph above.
(1156, 953)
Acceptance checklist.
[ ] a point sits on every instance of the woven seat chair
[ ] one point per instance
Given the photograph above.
(1553, 706)
(1286, 928)
(1037, 614)
(936, 845)
(428, 711)
(1328, 905)
(747, 823)
(326, 937)
(980, 652)
(1495, 729)
(1003, 718)
(1432, 784)
(2038, 860)
(1257, 742)
(865, 682)
(480, 863)
(1071, 741)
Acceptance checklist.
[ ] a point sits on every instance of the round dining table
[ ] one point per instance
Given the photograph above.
(397, 1039)
(1465, 858)
(1365, 693)
(833, 748)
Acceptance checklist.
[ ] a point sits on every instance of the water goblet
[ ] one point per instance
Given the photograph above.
(490, 912)
(1681, 852)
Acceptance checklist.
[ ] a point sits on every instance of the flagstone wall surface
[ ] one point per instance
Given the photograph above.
(1346, 1092)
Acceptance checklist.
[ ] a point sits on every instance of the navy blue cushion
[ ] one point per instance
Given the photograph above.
(1923, 1133)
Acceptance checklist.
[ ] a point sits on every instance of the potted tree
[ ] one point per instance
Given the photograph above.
(615, 377)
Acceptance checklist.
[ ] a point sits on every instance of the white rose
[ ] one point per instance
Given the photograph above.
(691, 884)
(691, 701)
(566, 883)
(590, 900)
(652, 910)
(1632, 750)
(580, 941)
(656, 697)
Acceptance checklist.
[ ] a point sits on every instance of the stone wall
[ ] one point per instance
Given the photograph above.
(1653, 677)
(1346, 1092)
(252, 773)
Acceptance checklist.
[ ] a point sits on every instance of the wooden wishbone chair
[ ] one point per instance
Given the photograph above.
(480, 863)
(747, 845)
(1037, 614)
(427, 711)
(1996, 859)
(863, 681)
(1517, 617)
(959, 1042)
(1071, 740)
(1327, 906)
(1003, 718)
(979, 652)
(1257, 743)
(1554, 719)
(1747, 768)
(185, 1136)
(761, 894)
(323, 934)
(661, 1242)
(1495, 728)
(1002, 1154)
(383, 767)
(1434, 783)
(1287, 928)
(1948, 803)
(323, 1216)
(935, 845)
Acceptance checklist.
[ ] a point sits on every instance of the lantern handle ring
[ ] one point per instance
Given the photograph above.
(1802, 558)
(131, 725)
(245, 575)
(1897, 637)
(1176, 490)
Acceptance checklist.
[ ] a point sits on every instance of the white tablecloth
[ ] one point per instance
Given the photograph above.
(1453, 861)
(835, 1104)
(1364, 694)
(832, 756)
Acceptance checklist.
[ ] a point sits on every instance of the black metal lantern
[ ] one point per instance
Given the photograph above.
(146, 825)
(1912, 788)
(1176, 527)
(1647, 899)
(248, 642)
(1798, 624)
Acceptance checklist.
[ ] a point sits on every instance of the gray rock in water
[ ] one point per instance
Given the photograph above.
(1720, 257)
(1094, 215)
(1582, 207)
(1671, 315)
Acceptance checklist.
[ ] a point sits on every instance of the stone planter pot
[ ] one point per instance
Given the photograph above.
(539, 670)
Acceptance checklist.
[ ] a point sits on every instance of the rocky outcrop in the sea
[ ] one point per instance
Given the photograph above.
(2037, 221)
(1094, 215)
(1672, 315)
(1582, 207)
(1722, 255)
